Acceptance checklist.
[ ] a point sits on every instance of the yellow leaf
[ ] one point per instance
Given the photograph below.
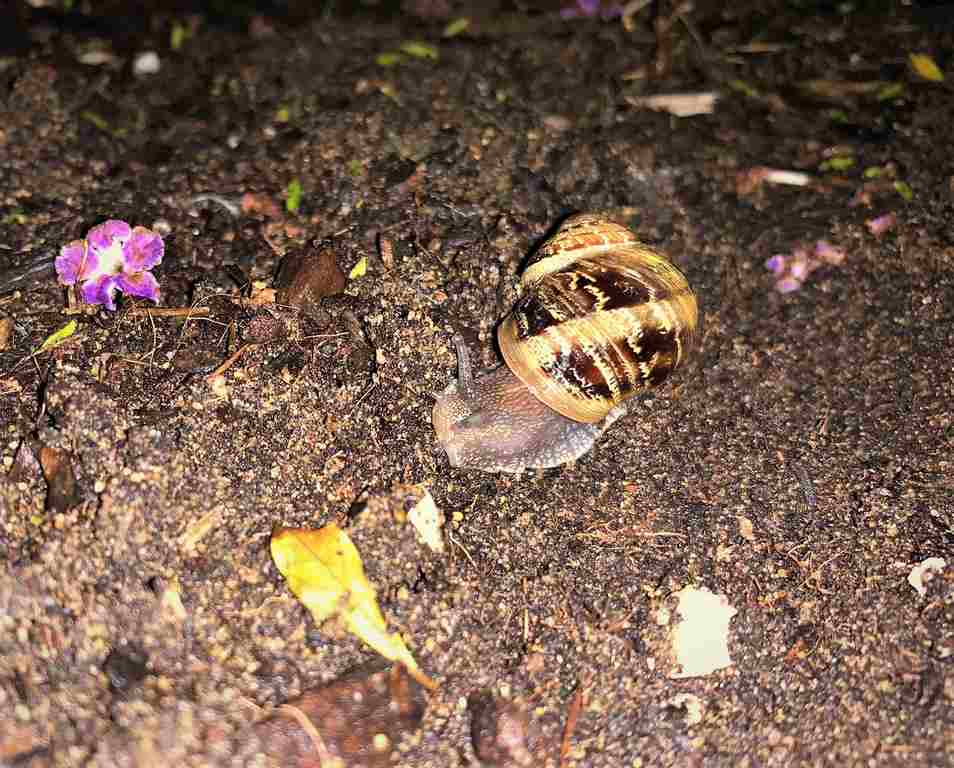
(57, 337)
(359, 269)
(419, 49)
(925, 67)
(388, 59)
(455, 27)
(324, 570)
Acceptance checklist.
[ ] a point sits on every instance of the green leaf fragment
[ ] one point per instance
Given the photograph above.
(388, 59)
(178, 36)
(904, 190)
(838, 164)
(456, 27)
(890, 92)
(293, 196)
(740, 86)
(98, 120)
(419, 49)
(57, 337)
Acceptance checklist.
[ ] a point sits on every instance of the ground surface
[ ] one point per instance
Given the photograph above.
(801, 467)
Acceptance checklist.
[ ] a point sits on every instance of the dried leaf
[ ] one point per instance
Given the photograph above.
(359, 269)
(925, 67)
(428, 520)
(354, 720)
(6, 330)
(324, 570)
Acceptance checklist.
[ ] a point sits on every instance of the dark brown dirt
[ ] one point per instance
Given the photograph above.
(822, 416)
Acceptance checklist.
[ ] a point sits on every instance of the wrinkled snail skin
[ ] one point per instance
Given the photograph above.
(602, 317)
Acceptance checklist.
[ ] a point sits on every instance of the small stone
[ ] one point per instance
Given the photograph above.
(146, 63)
(126, 668)
(924, 572)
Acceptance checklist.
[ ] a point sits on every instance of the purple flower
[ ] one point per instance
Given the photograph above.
(113, 256)
(878, 226)
(792, 269)
(776, 263)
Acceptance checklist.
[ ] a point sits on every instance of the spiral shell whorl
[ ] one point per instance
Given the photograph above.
(602, 318)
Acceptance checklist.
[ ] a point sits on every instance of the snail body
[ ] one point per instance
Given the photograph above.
(602, 317)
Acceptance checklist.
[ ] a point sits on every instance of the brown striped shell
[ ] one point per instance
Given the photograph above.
(602, 317)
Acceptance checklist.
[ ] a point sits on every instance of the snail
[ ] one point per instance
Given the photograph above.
(601, 318)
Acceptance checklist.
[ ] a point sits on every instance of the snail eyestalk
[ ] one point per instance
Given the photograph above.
(465, 374)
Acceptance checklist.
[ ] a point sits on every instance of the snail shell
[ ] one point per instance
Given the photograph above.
(602, 317)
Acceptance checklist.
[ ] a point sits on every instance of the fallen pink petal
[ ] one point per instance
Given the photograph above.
(113, 256)
(829, 253)
(140, 284)
(75, 262)
(878, 226)
(788, 284)
(144, 250)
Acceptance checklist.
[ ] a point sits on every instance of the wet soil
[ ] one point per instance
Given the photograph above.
(801, 467)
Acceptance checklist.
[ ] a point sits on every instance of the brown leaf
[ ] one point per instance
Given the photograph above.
(61, 482)
(355, 720)
(306, 277)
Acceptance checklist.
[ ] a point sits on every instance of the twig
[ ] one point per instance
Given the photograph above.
(230, 360)
(170, 311)
(232, 205)
(572, 715)
(324, 756)
(362, 397)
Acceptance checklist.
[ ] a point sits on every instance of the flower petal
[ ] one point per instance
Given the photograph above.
(141, 284)
(143, 250)
(787, 285)
(102, 236)
(75, 262)
(100, 291)
(828, 252)
(776, 263)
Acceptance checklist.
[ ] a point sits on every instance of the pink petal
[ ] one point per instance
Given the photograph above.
(143, 250)
(787, 285)
(800, 269)
(878, 226)
(828, 252)
(141, 284)
(75, 262)
(100, 291)
(103, 235)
